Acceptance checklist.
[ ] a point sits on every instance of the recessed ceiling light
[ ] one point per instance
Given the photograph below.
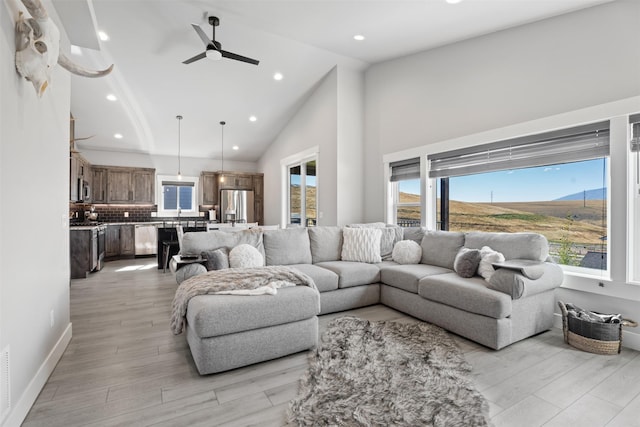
(117, 135)
(112, 97)
(278, 76)
(253, 118)
(358, 37)
(453, 1)
(235, 147)
(103, 36)
(75, 50)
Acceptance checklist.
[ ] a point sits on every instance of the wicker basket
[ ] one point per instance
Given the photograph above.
(594, 337)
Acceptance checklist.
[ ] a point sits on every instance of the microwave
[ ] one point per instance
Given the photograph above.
(84, 191)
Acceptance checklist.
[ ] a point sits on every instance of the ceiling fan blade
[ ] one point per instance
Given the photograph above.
(203, 36)
(195, 58)
(237, 57)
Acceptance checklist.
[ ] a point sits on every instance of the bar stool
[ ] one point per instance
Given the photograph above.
(167, 245)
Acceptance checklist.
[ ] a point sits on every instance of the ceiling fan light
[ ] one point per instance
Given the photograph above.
(214, 55)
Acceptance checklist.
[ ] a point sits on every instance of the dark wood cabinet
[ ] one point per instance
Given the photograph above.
(120, 241)
(115, 184)
(209, 188)
(98, 185)
(127, 240)
(81, 251)
(112, 241)
(143, 184)
(119, 186)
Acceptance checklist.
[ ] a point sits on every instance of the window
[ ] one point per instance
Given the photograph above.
(405, 191)
(302, 205)
(555, 184)
(177, 197)
(634, 196)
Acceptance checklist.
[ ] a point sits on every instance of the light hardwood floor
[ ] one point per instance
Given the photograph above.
(124, 367)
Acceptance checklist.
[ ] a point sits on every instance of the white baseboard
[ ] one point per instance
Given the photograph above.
(28, 398)
(629, 339)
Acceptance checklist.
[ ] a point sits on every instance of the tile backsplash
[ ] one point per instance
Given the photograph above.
(116, 213)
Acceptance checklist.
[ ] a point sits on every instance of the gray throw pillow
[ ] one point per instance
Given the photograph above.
(466, 262)
(217, 259)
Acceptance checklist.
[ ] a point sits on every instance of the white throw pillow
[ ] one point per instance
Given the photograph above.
(489, 256)
(361, 244)
(407, 252)
(244, 256)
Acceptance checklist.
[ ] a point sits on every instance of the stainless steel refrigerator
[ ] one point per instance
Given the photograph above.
(236, 206)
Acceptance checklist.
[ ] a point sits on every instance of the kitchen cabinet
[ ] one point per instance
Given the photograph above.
(258, 199)
(98, 184)
(79, 171)
(116, 184)
(209, 188)
(143, 184)
(119, 186)
(120, 241)
(234, 181)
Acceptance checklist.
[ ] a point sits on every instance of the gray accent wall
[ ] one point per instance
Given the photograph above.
(545, 68)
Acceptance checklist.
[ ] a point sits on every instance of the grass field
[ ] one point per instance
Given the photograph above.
(574, 221)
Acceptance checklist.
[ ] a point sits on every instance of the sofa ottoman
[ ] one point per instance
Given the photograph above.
(229, 331)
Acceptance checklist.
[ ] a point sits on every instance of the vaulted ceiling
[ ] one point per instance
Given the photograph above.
(301, 39)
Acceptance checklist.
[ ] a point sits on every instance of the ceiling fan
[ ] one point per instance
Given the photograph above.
(214, 48)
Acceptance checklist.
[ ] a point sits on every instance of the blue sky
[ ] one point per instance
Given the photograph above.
(525, 185)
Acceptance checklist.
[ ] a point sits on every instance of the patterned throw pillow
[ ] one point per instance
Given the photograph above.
(407, 252)
(361, 244)
(245, 256)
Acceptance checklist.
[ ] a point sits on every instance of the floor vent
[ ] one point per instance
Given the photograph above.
(5, 390)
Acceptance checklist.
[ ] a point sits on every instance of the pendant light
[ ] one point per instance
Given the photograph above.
(222, 151)
(179, 120)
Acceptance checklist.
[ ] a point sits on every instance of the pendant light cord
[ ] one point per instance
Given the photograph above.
(179, 120)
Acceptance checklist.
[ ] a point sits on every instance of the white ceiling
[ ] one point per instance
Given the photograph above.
(302, 39)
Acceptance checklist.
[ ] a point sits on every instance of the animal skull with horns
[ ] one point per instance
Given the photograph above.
(38, 48)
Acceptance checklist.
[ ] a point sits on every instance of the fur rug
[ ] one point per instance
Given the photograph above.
(387, 374)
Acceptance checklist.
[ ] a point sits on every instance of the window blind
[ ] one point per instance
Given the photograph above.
(567, 145)
(179, 183)
(405, 169)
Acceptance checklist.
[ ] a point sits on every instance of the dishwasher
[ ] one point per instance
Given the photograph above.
(146, 238)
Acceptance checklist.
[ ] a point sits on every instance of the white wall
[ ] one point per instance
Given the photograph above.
(350, 149)
(330, 119)
(560, 72)
(164, 165)
(34, 235)
(314, 125)
(561, 64)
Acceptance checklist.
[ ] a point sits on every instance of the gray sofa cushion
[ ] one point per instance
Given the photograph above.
(325, 280)
(352, 273)
(215, 315)
(406, 277)
(441, 247)
(188, 271)
(195, 243)
(512, 245)
(413, 233)
(517, 285)
(471, 294)
(326, 243)
(287, 246)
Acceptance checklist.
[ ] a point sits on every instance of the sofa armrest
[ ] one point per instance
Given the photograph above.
(514, 283)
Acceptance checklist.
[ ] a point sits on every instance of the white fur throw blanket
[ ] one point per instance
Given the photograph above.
(233, 279)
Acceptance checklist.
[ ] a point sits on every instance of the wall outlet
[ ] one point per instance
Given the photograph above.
(126, 214)
(201, 214)
(154, 214)
(52, 319)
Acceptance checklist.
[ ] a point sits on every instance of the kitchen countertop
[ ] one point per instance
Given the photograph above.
(161, 224)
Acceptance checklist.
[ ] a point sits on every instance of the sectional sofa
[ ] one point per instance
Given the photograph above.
(228, 331)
